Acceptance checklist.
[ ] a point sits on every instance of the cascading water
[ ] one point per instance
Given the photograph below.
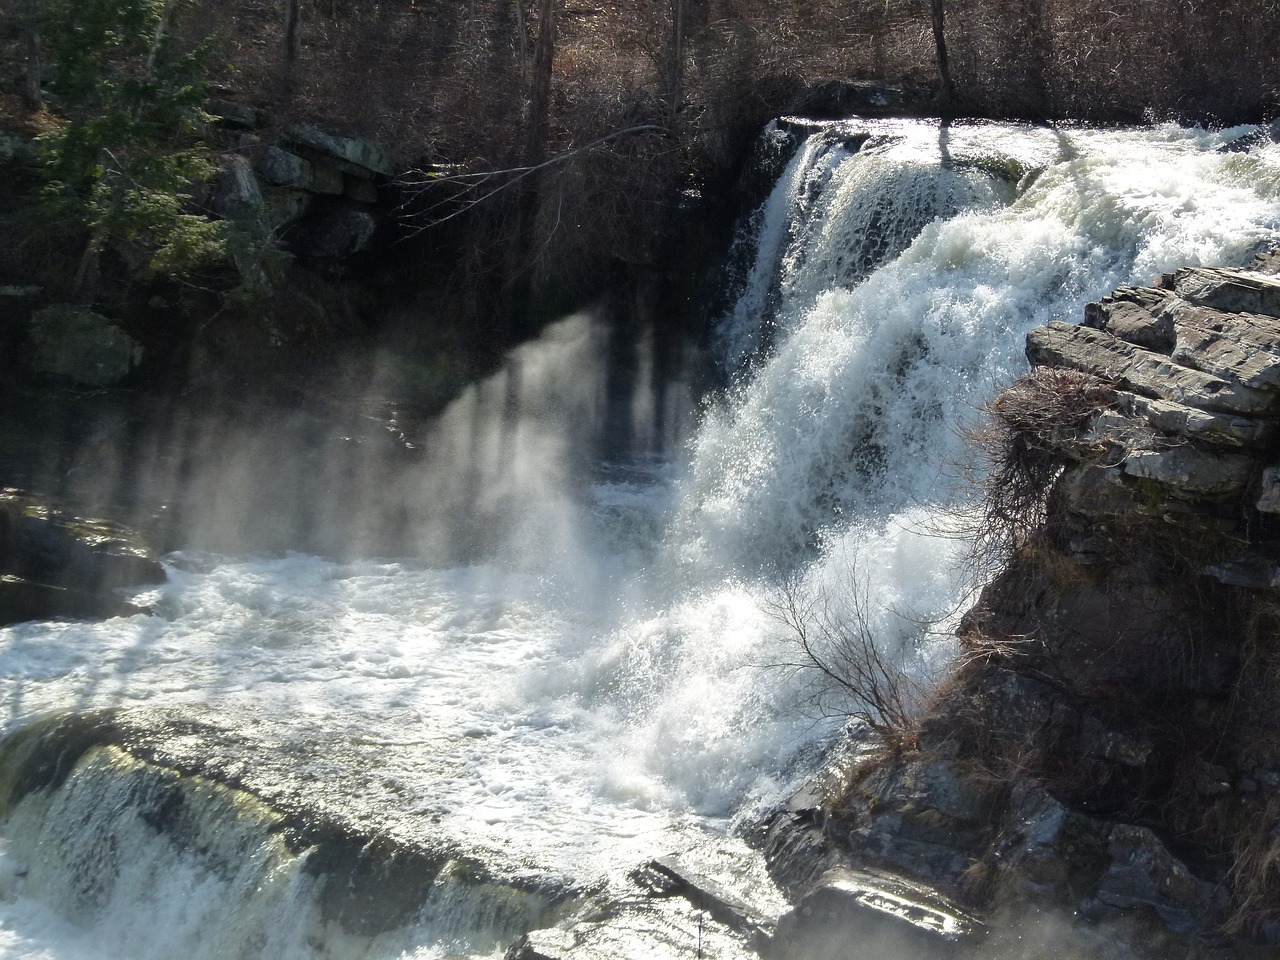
(592, 685)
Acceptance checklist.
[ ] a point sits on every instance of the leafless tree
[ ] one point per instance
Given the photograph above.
(30, 36)
(539, 120)
(831, 640)
(675, 59)
(938, 11)
(292, 33)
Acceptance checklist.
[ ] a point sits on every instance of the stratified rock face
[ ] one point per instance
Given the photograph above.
(1123, 674)
(1195, 367)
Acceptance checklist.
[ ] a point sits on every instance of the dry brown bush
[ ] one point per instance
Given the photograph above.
(1020, 445)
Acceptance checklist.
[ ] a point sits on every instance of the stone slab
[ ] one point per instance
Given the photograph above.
(1189, 470)
(1232, 291)
(1141, 371)
(361, 158)
(883, 914)
(1128, 314)
(1223, 429)
(1239, 346)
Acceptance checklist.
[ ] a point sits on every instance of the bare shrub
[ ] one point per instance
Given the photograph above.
(1022, 444)
(832, 643)
(1255, 868)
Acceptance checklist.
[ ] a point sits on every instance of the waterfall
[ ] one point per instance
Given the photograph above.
(575, 669)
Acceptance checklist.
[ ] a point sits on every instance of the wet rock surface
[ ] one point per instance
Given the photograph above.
(56, 564)
(333, 818)
(370, 873)
(883, 914)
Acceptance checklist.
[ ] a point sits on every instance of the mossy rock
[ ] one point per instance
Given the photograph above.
(77, 344)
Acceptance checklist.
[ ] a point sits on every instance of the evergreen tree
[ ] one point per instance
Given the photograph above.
(123, 161)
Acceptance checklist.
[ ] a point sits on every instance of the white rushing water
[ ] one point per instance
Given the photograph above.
(598, 689)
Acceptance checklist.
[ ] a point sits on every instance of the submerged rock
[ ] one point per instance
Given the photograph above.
(283, 854)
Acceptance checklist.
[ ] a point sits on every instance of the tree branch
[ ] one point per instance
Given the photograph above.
(418, 182)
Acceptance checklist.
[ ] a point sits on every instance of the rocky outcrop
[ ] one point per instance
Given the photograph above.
(1107, 748)
(325, 188)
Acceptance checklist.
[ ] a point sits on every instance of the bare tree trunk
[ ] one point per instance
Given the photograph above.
(675, 68)
(292, 33)
(157, 41)
(519, 287)
(31, 87)
(522, 34)
(940, 43)
(88, 273)
(539, 122)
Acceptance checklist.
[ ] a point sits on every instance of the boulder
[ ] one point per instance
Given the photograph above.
(1231, 291)
(236, 191)
(360, 158)
(1044, 846)
(281, 168)
(22, 600)
(74, 342)
(922, 816)
(1132, 321)
(1144, 874)
(16, 147)
(1269, 491)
